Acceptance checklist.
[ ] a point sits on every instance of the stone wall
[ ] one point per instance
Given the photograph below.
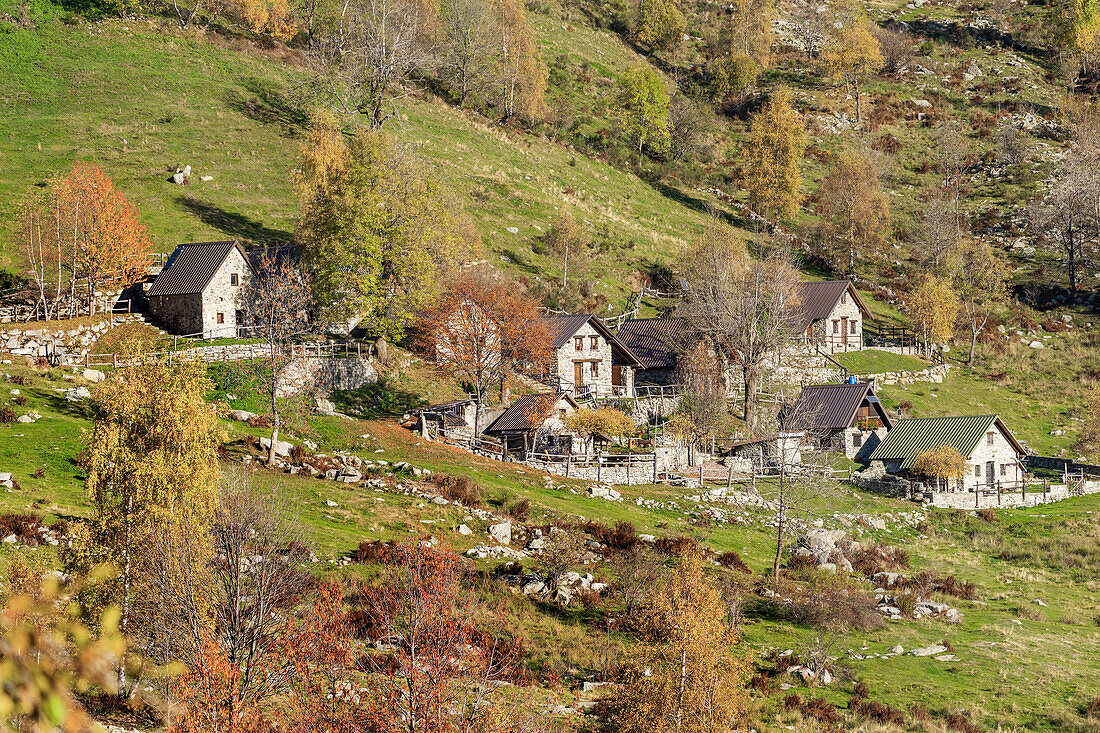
(221, 298)
(934, 374)
(1008, 499)
(325, 375)
(836, 342)
(668, 458)
(44, 338)
(564, 359)
(178, 314)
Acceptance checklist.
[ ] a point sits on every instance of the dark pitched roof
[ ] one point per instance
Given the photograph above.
(528, 412)
(655, 341)
(191, 266)
(909, 438)
(562, 328)
(833, 406)
(278, 253)
(817, 298)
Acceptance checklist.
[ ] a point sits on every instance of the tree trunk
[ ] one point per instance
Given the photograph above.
(859, 106)
(271, 457)
(752, 379)
(973, 343)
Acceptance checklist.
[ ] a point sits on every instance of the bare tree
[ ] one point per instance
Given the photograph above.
(953, 152)
(746, 308)
(241, 570)
(468, 53)
(636, 574)
(936, 232)
(811, 24)
(1068, 213)
(42, 238)
(692, 129)
(363, 57)
(898, 48)
(276, 303)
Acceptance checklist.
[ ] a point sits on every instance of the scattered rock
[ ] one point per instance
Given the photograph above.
(928, 651)
(93, 375)
(501, 532)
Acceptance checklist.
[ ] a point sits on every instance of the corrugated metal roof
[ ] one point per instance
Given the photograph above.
(191, 266)
(833, 406)
(655, 341)
(909, 438)
(276, 254)
(562, 328)
(817, 298)
(528, 412)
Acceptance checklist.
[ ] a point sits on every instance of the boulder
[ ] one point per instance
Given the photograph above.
(928, 651)
(330, 503)
(464, 530)
(241, 415)
(93, 375)
(25, 419)
(79, 394)
(501, 532)
(282, 448)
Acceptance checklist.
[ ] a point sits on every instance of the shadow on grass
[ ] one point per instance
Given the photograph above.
(233, 224)
(268, 105)
(379, 400)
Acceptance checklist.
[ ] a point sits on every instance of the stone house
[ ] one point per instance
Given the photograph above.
(198, 290)
(847, 418)
(587, 359)
(993, 455)
(536, 422)
(831, 315)
(452, 420)
(658, 344)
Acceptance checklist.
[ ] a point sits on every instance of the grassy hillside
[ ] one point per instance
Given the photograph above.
(139, 98)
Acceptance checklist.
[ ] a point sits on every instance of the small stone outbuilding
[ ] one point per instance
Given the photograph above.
(536, 422)
(197, 292)
(847, 418)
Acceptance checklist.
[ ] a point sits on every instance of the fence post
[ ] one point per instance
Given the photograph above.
(568, 461)
(729, 477)
(977, 494)
(998, 493)
(628, 462)
(1045, 486)
(599, 466)
(700, 473)
(1023, 491)
(654, 464)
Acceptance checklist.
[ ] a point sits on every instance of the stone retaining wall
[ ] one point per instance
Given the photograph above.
(1009, 499)
(326, 374)
(641, 470)
(934, 374)
(49, 337)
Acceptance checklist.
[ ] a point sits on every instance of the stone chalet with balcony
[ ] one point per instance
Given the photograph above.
(993, 455)
(848, 418)
(831, 315)
(536, 422)
(587, 360)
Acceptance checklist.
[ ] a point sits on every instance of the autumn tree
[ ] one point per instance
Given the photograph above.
(521, 76)
(438, 668)
(749, 32)
(943, 464)
(566, 238)
(659, 24)
(377, 232)
(642, 109)
(981, 279)
(1077, 28)
(486, 329)
(897, 45)
(934, 305)
(854, 210)
(49, 656)
(605, 421)
(277, 305)
(853, 53)
(744, 308)
(151, 451)
(688, 677)
(776, 141)
(810, 24)
(42, 237)
(701, 413)
(103, 237)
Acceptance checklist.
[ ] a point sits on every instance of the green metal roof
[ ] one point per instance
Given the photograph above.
(909, 438)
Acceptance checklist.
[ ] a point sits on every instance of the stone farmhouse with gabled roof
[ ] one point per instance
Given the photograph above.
(657, 343)
(832, 315)
(587, 359)
(993, 455)
(536, 422)
(845, 417)
(197, 291)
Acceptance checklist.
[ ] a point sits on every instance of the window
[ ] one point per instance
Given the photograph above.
(1004, 469)
(836, 327)
(855, 330)
(578, 343)
(593, 342)
(989, 438)
(595, 368)
(844, 298)
(561, 413)
(234, 279)
(977, 471)
(857, 440)
(238, 317)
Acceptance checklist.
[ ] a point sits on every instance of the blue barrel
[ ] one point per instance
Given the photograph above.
(852, 380)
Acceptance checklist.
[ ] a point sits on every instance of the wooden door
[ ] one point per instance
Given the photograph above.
(578, 374)
(844, 331)
(617, 375)
(990, 478)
